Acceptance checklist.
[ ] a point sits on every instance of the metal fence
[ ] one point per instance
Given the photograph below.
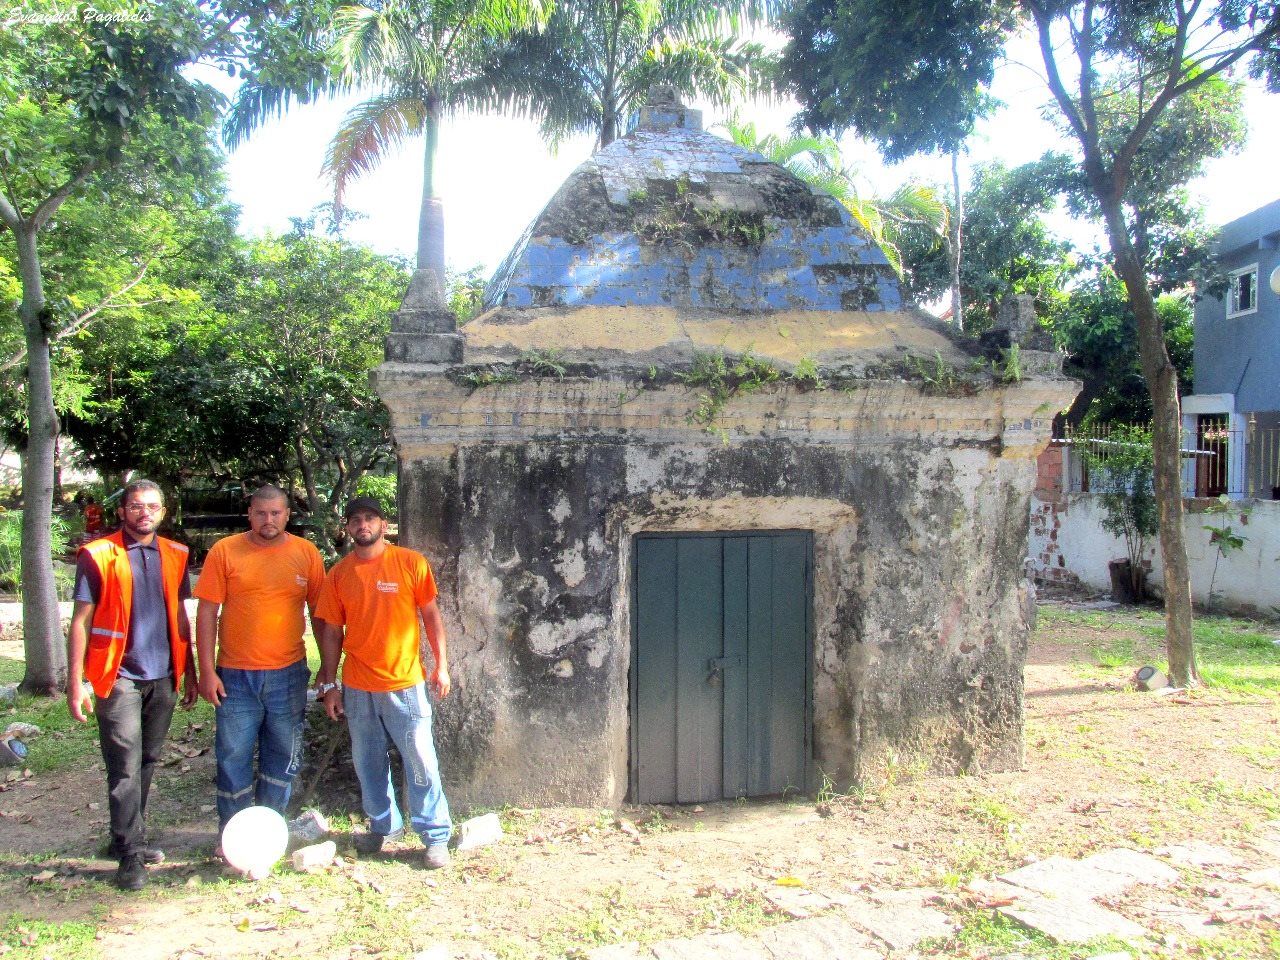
(1215, 459)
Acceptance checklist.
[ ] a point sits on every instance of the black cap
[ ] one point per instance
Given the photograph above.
(363, 505)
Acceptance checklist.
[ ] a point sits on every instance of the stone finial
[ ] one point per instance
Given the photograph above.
(424, 329)
(1017, 317)
(1017, 314)
(664, 112)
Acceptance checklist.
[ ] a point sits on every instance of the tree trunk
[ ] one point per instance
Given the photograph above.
(431, 269)
(1166, 444)
(45, 651)
(957, 219)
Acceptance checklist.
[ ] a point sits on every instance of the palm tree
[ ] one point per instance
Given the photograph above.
(912, 209)
(423, 59)
(596, 60)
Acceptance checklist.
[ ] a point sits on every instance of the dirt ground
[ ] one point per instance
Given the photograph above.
(1105, 766)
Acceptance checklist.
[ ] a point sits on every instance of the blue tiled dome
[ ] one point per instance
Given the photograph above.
(673, 216)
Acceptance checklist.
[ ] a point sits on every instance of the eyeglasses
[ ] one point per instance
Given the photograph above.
(144, 507)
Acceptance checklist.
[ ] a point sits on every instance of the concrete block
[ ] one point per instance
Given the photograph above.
(479, 832)
(424, 347)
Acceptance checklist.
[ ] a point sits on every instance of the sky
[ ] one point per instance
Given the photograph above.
(495, 173)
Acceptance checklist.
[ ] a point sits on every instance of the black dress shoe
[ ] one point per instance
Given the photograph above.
(131, 874)
(150, 855)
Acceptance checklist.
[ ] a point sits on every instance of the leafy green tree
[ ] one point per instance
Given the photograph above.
(1008, 247)
(466, 293)
(1096, 328)
(308, 316)
(1120, 73)
(596, 60)
(75, 90)
(269, 384)
(128, 259)
(912, 215)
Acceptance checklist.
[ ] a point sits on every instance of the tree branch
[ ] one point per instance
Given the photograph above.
(80, 322)
(56, 199)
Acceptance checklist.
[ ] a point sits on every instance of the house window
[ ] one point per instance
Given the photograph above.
(1242, 291)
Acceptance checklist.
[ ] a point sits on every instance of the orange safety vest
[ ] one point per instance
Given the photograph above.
(109, 631)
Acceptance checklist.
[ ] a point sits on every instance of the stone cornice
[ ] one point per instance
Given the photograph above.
(430, 411)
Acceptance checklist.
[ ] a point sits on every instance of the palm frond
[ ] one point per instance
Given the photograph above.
(368, 132)
(257, 103)
(369, 43)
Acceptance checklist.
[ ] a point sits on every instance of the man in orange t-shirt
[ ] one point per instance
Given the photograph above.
(380, 593)
(259, 581)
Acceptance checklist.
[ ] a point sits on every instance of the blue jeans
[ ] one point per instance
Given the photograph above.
(402, 717)
(262, 710)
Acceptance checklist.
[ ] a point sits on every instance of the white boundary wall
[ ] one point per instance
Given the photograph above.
(1068, 544)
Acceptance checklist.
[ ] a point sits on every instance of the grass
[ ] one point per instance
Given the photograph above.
(62, 742)
(1233, 655)
(610, 917)
(984, 934)
(25, 939)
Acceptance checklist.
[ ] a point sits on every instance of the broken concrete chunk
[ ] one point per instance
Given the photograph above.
(479, 832)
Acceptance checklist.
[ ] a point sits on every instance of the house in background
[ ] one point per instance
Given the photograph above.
(1234, 414)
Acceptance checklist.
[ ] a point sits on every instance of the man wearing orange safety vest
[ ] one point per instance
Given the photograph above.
(131, 640)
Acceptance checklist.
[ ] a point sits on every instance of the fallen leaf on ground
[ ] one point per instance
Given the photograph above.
(789, 881)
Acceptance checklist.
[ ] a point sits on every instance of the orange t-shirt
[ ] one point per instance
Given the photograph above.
(262, 591)
(378, 600)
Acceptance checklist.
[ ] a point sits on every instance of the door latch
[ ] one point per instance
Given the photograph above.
(715, 668)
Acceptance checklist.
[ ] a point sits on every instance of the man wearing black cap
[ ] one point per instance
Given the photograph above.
(371, 605)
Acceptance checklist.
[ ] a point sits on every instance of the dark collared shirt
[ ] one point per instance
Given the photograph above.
(146, 654)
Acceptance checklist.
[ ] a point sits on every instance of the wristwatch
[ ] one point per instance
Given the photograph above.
(324, 688)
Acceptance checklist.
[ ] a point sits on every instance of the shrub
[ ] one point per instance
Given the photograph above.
(11, 552)
(383, 489)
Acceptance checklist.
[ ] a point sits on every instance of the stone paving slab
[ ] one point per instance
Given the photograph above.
(897, 926)
(1268, 845)
(620, 951)
(1195, 922)
(906, 897)
(796, 902)
(1061, 877)
(1197, 853)
(996, 890)
(1139, 867)
(711, 946)
(1264, 878)
(1067, 920)
(819, 938)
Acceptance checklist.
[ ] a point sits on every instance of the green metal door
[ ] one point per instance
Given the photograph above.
(720, 691)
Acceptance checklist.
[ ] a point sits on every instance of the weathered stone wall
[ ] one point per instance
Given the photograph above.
(526, 498)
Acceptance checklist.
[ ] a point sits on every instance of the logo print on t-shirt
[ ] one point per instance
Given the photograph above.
(299, 579)
(386, 587)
